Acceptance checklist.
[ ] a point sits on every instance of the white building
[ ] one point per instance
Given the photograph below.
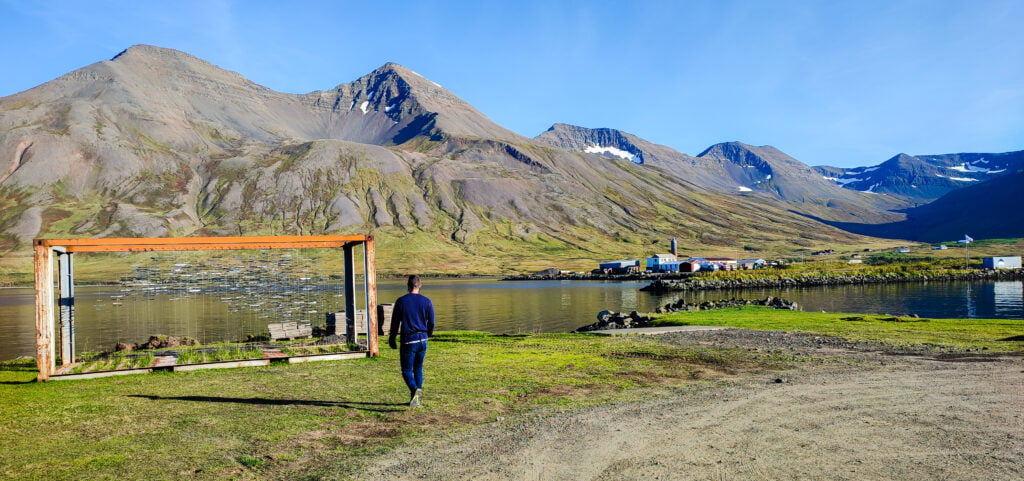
(1001, 262)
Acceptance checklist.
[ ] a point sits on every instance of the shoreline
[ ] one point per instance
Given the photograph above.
(698, 284)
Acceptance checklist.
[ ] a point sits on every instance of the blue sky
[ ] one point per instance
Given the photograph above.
(841, 83)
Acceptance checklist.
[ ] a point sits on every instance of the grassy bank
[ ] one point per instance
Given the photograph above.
(993, 334)
(317, 420)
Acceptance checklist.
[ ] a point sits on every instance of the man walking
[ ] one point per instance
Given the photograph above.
(413, 317)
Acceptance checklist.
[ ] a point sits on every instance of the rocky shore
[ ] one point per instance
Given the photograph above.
(698, 284)
(590, 276)
(616, 320)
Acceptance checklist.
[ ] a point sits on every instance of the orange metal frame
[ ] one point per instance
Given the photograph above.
(44, 280)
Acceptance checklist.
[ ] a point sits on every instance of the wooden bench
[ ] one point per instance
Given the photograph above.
(289, 330)
(336, 321)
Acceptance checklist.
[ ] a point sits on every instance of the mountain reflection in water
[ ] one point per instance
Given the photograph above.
(477, 304)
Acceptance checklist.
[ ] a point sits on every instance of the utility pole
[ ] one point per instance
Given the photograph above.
(967, 250)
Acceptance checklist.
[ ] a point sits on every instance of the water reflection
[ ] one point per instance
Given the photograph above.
(483, 305)
(1008, 297)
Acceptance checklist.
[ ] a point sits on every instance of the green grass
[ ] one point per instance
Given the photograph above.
(112, 361)
(994, 334)
(310, 350)
(227, 353)
(320, 420)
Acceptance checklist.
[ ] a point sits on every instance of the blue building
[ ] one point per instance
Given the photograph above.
(662, 263)
(620, 267)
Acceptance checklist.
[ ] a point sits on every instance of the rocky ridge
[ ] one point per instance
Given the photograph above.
(924, 178)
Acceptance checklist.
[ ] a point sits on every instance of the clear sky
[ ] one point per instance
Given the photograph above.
(842, 83)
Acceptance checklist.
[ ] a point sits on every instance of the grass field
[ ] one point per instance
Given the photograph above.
(317, 420)
(994, 334)
(321, 420)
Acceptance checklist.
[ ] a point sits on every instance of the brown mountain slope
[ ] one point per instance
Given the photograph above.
(156, 142)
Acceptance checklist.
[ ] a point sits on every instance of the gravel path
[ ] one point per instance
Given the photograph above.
(913, 415)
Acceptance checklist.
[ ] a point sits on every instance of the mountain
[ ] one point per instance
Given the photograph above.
(157, 142)
(616, 144)
(984, 210)
(393, 104)
(768, 170)
(734, 168)
(923, 178)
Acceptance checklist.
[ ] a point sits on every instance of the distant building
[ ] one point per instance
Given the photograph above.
(855, 261)
(750, 263)
(903, 250)
(689, 265)
(663, 263)
(1001, 262)
(718, 264)
(940, 247)
(620, 267)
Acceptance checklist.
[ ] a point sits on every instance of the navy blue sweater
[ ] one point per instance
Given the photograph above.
(413, 317)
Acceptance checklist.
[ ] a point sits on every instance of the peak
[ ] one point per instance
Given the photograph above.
(560, 127)
(392, 66)
(737, 146)
(143, 50)
(402, 71)
(723, 147)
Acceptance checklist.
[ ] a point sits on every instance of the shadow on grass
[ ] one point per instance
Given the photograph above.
(20, 366)
(361, 406)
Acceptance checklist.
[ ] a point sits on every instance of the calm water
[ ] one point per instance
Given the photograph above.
(106, 315)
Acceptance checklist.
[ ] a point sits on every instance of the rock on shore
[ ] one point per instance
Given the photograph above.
(615, 320)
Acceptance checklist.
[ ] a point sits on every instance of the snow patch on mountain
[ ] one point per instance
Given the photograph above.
(961, 179)
(597, 149)
(972, 167)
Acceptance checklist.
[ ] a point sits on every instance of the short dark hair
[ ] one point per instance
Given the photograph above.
(413, 282)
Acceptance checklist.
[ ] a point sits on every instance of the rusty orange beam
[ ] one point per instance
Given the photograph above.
(130, 244)
(203, 247)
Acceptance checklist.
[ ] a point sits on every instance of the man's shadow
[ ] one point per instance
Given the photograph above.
(361, 406)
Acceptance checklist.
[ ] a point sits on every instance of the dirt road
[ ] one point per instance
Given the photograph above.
(878, 416)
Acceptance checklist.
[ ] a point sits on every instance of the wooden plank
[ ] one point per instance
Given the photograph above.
(164, 361)
(98, 374)
(45, 342)
(141, 244)
(327, 357)
(204, 247)
(142, 241)
(370, 262)
(223, 365)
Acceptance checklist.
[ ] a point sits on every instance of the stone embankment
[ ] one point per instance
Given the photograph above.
(639, 276)
(699, 284)
(617, 320)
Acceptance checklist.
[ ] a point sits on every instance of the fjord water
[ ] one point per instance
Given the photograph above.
(102, 318)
